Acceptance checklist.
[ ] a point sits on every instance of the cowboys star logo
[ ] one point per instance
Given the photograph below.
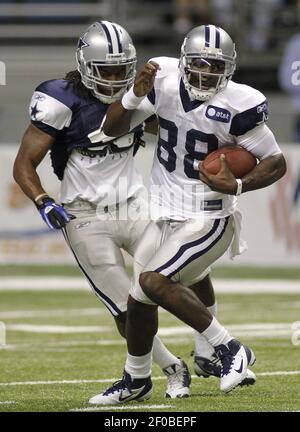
(34, 111)
(82, 43)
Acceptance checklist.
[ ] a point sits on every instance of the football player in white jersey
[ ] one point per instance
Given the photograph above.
(199, 110)
(66, 116)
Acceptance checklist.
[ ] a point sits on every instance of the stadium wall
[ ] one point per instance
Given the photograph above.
(271, 217)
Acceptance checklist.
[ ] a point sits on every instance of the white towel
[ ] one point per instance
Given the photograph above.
(238, 245)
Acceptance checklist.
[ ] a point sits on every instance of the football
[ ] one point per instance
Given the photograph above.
(239, 160)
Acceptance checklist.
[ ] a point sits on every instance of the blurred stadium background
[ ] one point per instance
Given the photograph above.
(38, 40)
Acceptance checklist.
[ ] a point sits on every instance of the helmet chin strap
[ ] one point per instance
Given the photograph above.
(91, 81)
(202, 95)
(107, 99)
(103, 99)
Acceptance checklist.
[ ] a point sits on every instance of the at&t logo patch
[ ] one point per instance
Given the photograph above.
(218, 114)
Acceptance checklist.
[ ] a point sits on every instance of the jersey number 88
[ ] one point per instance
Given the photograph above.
(192, 155)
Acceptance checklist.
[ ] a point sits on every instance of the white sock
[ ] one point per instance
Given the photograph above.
(139, 366)
(161, 355)
(216, 334)
(202, 347)
(213, 309)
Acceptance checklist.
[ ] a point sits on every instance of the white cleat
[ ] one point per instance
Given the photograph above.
(125, 390)
(249, 379)
(235, 358)
(205, 367)
(179, 380)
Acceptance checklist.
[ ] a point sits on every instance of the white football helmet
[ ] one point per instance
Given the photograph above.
(207, 46)
(106, 45)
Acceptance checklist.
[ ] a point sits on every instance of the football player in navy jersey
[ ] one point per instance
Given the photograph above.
(199, 110)
(66, 117)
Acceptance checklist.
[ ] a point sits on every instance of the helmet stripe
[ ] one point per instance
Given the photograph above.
(109, 41)
(113, 37)
(217, 37)
(212, 36)
(118, 39)
(207, 35)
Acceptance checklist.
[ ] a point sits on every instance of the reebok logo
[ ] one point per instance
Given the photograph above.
(262, 108)
(82, 225)
(48, 209)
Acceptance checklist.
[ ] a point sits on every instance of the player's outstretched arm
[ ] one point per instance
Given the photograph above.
(119, 114)
(35, 144)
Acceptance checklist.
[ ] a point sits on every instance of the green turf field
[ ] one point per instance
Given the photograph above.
(219, 272)
(62, 348)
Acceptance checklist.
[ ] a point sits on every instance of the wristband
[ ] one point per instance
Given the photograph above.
(39, 197)
(130, 101)
(36, 199)
(44, 199)
(239, 187)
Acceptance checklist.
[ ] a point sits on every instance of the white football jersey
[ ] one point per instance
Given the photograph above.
(75, 122)
(189, 130)
(101, 180)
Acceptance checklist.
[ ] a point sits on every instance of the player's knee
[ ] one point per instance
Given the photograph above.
(151, 283)
(121, 323)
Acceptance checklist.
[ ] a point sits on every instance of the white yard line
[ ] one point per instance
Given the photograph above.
(7, 402)
(56, 313)
(51, 313)
(109, 380)
(43, 283)
(32, 328)
(20, 383)
(67, 343)
(226, 286)
(118, 407)
(256, 286)
(278, 373)
(246, 330)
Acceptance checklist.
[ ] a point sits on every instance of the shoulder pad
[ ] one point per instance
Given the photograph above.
(251, 108)
(61, 90)
(48, 113)
(167, 65)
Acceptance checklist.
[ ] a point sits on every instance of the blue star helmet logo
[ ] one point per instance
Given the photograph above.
(82, 43)
(34, 111)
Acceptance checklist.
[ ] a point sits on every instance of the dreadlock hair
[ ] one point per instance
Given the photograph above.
(74, 78)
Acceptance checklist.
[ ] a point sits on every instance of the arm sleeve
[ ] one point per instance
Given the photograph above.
(144, 111)
(49, 114)
(260, 141)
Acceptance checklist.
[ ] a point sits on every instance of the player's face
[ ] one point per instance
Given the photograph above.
(110, 73)
(205, 73)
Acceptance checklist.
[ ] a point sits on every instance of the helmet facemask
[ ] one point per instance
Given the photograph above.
(107, 90)
(106, 60)
(204, 76)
